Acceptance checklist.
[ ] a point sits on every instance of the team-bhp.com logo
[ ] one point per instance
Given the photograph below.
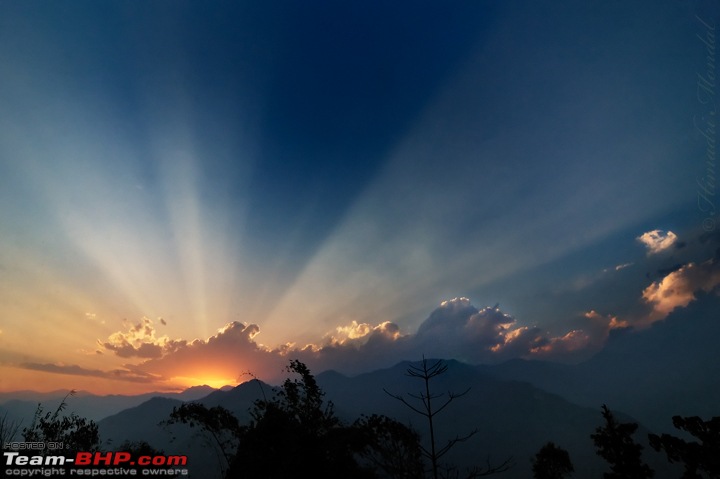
(20, 463)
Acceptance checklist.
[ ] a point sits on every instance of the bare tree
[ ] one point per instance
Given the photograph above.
(430, 405)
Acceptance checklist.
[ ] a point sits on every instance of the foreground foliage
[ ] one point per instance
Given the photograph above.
(297, 433)
(698, 457)
(76, 433)
(615, 444)
(552, 462)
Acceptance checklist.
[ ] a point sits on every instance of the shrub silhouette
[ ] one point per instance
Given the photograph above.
(68, 434)
(76, 433)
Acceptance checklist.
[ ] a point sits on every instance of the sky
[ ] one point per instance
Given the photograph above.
(197, 192)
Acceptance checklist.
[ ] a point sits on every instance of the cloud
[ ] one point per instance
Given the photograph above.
(678, 288)
(93, 317)
(657, 241)
(458, 322)
(571, 342)
(608, 321)
(229, 353)
(358, 334)
(618, 267)
(456, 329)
(353, 331)
(140, 341)
(75, 370)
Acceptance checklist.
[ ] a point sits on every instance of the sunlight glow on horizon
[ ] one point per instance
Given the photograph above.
(216, 382)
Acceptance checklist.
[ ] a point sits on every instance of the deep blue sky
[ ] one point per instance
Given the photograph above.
(304, 165)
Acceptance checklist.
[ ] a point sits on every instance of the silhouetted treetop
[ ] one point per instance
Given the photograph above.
(552, 462)
(615, 444)
(698, 457)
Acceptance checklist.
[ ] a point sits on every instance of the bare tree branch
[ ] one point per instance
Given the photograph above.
(426, 372)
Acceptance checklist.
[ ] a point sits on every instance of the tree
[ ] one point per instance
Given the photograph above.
(220, 427)
(392, 448)
(297, 433)
(74, 432)
(429, 409)
(552, 462)
(703, 456)
(615, 444)
(61, 434)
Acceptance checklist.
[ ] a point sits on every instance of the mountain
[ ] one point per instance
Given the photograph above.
(644, 376)
(240, 399)
(145, 423)
(22, 405)
(512, 418)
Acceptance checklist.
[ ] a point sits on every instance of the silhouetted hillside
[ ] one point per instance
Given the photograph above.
(513, 418)
(144, 422)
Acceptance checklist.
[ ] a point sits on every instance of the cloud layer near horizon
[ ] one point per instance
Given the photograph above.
(456, 329)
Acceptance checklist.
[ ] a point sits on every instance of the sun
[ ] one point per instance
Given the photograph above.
(212, 381)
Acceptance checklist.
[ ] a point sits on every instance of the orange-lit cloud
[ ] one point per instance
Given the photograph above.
(657, 240)
(609, 321)
(360, 333)
(571, 342)
(678, 288)
(140, 341)
(229, 353)
(456, 329)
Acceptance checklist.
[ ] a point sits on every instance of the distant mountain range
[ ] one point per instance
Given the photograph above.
(644, 376)
(23, 404)
(513, 419)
